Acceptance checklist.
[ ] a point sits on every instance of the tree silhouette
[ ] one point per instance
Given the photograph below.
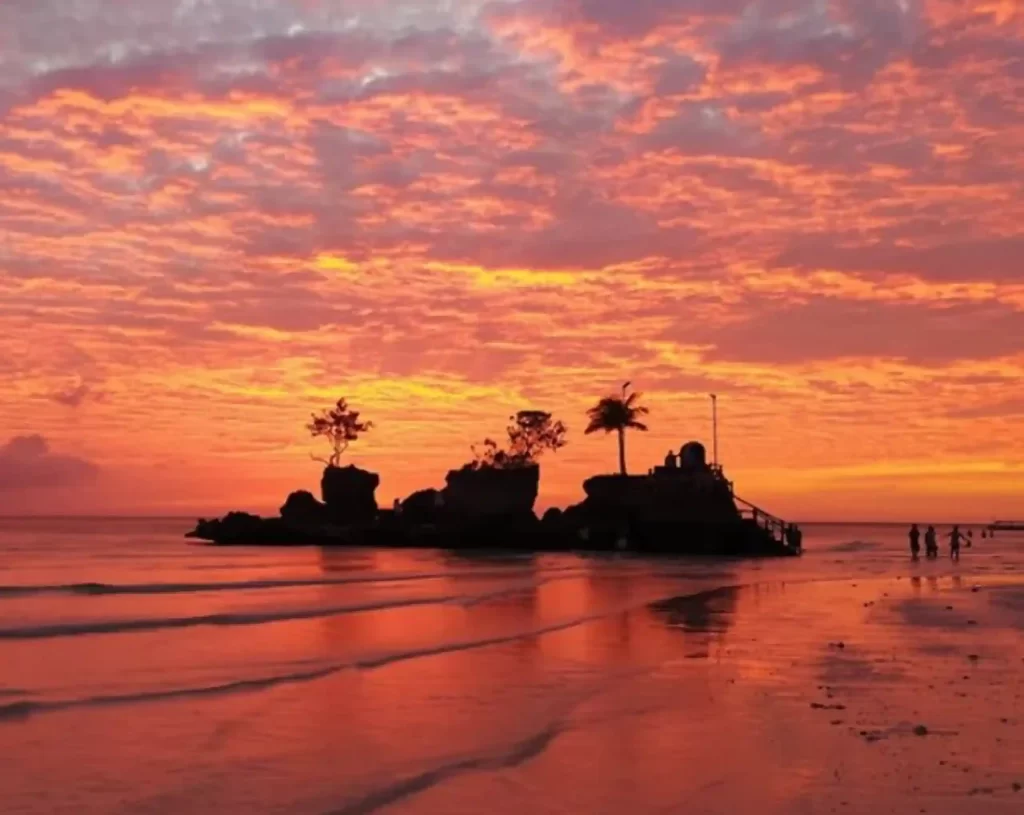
(530, 434)
(340, 426)
(618, 413)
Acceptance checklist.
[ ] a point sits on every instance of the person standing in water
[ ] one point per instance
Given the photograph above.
(915, 541)
(931, 546)
(955, 537)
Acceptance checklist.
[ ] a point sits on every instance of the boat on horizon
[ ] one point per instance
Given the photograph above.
(1006, 526)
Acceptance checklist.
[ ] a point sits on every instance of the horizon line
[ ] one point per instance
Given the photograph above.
(193, 516)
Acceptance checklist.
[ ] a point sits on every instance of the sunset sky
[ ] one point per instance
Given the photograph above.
(219, 215)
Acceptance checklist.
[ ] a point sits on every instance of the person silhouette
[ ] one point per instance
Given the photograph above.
(931, 546)
(955, 537)
(915, 541)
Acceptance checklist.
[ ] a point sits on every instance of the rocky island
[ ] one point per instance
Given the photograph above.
(685, 507)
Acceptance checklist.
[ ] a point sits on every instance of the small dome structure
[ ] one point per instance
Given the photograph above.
(693, 456)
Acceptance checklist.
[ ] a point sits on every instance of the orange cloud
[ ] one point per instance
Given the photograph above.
(224, 222)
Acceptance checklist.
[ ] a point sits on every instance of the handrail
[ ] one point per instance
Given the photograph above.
(758, 511)
(772, 523)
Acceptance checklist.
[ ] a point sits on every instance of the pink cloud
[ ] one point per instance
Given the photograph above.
(266, 201)
(26, 463)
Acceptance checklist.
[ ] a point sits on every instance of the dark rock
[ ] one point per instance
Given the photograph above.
(423, 507)
(552, 517)
(670, 511)
(349, 494)
(303, 508)
(241, 528)
(674, 510)
(491, 493)
(920, 730)
(553, 521)
(513, 530)
(683, 496)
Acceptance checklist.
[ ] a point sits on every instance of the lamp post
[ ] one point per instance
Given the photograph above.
(714, 427)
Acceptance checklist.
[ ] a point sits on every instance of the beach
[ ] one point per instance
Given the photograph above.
(141, 674)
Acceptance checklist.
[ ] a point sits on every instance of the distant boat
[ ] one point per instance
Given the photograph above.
(1006, 526)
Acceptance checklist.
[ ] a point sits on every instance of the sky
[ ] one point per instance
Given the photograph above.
(217, 216)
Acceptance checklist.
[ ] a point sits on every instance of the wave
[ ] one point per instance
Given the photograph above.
(854, 546)
(122, 626)
(25, 708)
(381, 660)
(239, 618)
(504, 757)
(509, 758)
(104, 589)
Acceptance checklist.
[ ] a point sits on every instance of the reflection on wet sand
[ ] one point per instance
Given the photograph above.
(532, 684)
(704, 612)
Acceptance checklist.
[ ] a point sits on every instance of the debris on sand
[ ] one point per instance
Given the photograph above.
(920, 730)
(820, 706)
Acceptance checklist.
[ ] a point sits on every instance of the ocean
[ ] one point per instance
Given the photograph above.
(140, 673)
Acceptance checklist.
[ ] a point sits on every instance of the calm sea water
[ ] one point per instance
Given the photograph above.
(142, 674)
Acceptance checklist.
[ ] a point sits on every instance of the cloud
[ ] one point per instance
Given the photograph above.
(26, 462)
(226, 210)
(823, 328)
(851, 39)
(73, 397)
(1011, 409)
(994, 259)
(680, 74)
(614, 19)
(704, 128)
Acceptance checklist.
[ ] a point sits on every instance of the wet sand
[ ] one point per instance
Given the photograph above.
(880, 695)
(849, 681)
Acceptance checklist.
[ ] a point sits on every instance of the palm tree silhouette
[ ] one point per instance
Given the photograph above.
(618, 413)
